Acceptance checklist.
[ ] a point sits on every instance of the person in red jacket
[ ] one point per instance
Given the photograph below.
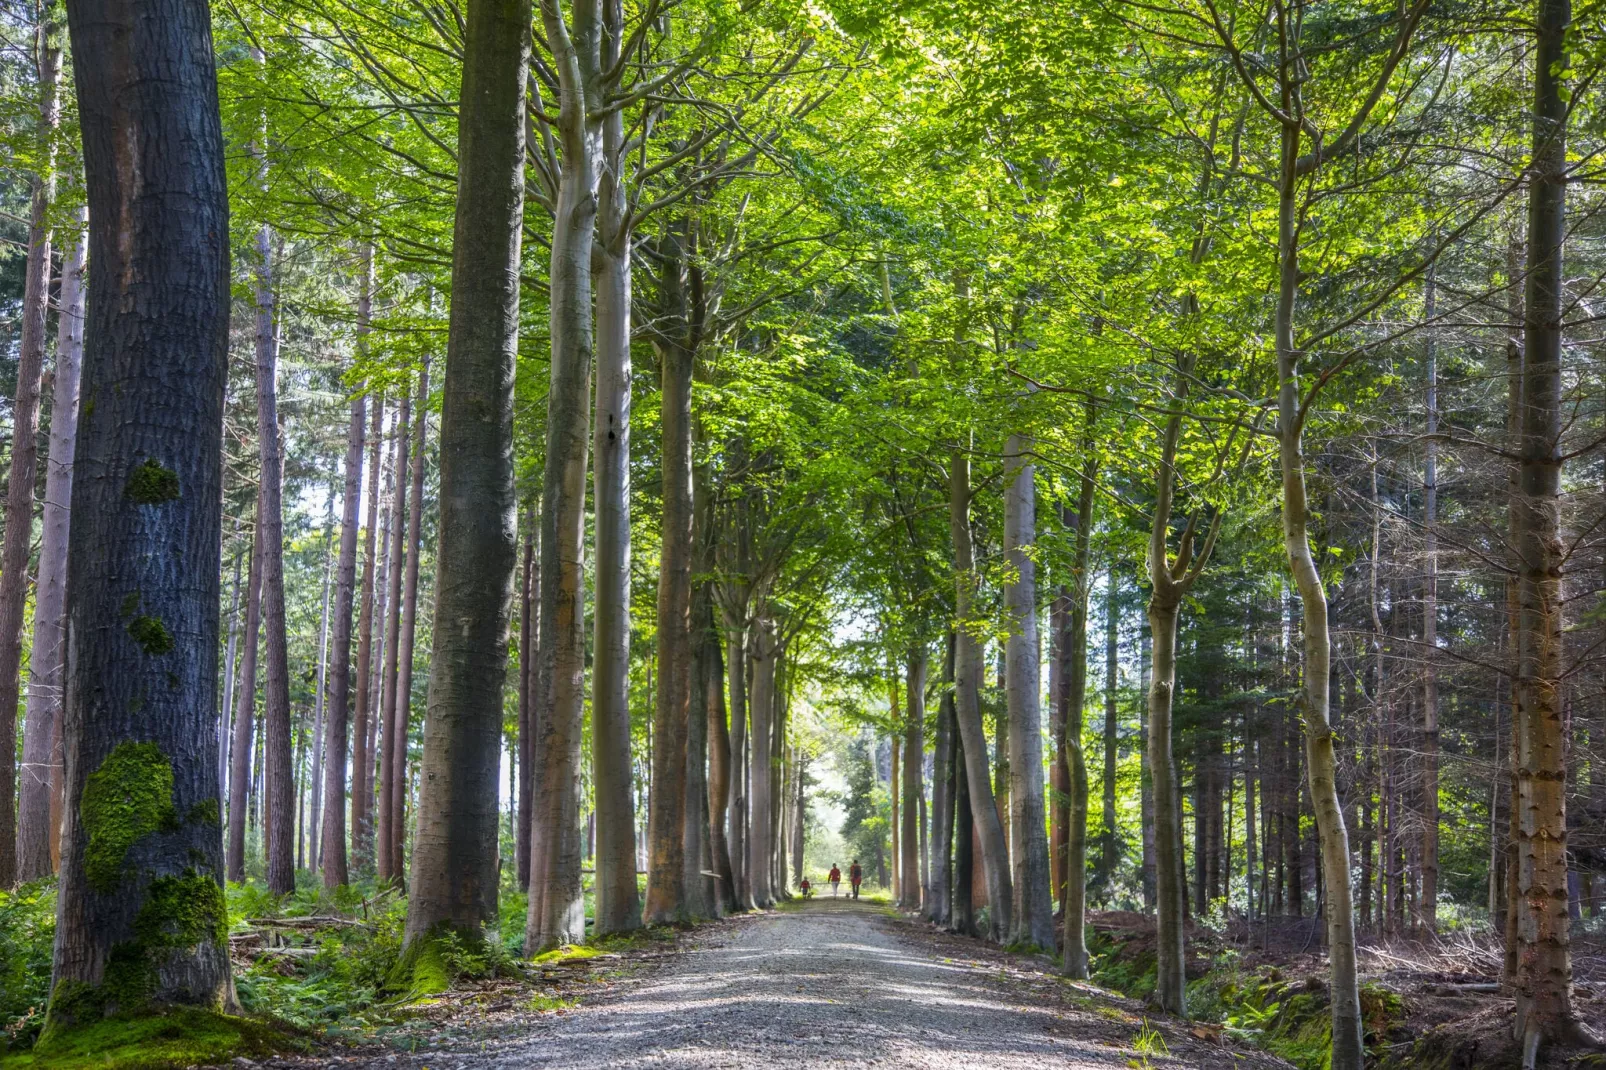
(836, 879)
(805, 887)
(855, 877)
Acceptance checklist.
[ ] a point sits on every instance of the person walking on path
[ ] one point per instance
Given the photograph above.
(836, 879)
(855, 877)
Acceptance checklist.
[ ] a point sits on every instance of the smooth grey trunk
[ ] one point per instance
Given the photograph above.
(618, 904)
(1110, 841)
(333, 848)
(313, 826)
(719, 775)
(736, 675)
(455, 861)
(557, 909)
(409, 622)
(39, 809)
(361, 757)
(967, 705)
(18, 545)
(528, 653)
(1033, 908)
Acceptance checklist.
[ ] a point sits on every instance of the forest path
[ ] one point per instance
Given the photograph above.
(827, 984)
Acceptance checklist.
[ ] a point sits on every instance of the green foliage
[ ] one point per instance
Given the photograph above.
(27, 937)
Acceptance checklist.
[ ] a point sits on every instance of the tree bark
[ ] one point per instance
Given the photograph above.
(279, 796)
(1109, 840)
(39, 812)
(736, 674)
(557, 909)
(967, 683)
(245, 709)
(719, 776)
(409, 624)
(760, 844)
(143, 573)
(314, 782)
(939, 906)
(1427, 918)
(1543, 985)
(1338, 910)
(333, 854)
(361, 758)
(914, 762)
(1033, 909)
(455, 859)
(525, 743)
(25, 431)
(388, 849)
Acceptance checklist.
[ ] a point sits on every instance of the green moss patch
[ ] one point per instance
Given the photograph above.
(151, 635)
(180, 1037)
(152, 484)
(562, 956)
(129, 797)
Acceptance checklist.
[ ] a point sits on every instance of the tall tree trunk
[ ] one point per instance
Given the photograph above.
(939, 905)
(702, 891)
(1073, 700)
(666, 816)
(1348, 1051)
(557, 908)
(143, 573)
(1428, 916)
(736, 674)
(455, 861)
(333, 855)
(245, 709)
(409, 626)
(279, 797)
(314, 783)
(25, 429)
(362, 793)
(1059, 773)
(618, 905)
(719, 775)
(524, 744)
(39, 812)
(914, 763)
(1033, 909)
(967, 684)
(1110, 840)
(388, 848)
(1544, 963)
(964, 914)
(760, 844)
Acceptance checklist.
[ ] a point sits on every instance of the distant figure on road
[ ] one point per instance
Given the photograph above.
(855, 877)
(836, 879)
(805, 887)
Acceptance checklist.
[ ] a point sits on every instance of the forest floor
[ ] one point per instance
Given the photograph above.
(822, 984)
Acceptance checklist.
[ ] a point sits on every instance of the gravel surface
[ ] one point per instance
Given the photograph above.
(829, 984)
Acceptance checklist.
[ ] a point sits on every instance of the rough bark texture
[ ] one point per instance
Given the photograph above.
(245, 699)
(455, 860)
(1544, 962)
(24, 432)
(1033, 912)
(279, 794)
(39, 810)
(333, 854)
(967, 703)
(557, 913)
(914, 762)
(140, 836)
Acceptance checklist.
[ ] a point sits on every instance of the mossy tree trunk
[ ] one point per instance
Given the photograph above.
(338, 681)
(455, 858)
(142, 919)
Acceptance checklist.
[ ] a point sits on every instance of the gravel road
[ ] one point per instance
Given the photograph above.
(831, 984)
